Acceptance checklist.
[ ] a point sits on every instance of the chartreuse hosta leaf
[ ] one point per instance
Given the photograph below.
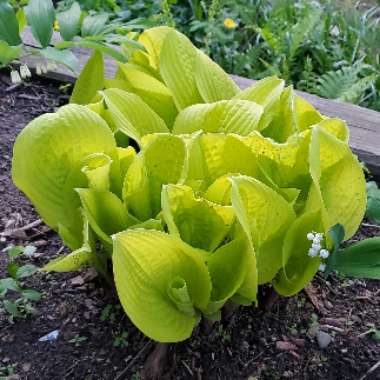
(127, 109)
(152, 168)
(48, 157)
(227, 116)
(177, 66)
(162, 283)
(196, 221)
(268, 216)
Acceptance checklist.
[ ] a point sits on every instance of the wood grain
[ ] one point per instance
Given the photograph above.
(364, 123)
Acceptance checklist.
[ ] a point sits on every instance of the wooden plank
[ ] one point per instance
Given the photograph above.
(364, 123)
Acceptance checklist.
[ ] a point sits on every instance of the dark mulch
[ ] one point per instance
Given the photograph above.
(252, 344)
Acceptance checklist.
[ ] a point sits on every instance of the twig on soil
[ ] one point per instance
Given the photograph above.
(21, 229)
(370, 225)
(311, 293)
(130, 364)
(371, 370)
(188, 368)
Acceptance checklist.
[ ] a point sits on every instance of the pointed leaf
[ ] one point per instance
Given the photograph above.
(69, 21)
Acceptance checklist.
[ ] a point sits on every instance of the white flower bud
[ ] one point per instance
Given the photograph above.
(310, 236)
(316, 246)
(322, 267)
(324, 253)
(312, 252)
(25, 72)
(15, 77)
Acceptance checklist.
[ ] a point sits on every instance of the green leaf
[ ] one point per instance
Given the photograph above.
(360, 260)
(64, 57)
(94, 25)
(196, 221)
(12, 268)
(146, 265)
(373, 201)
(14, 250)
(177, 68)
(212, 81)
(57, 145)
(226, 116)
(90, 80)
(31, 294)
(26, 271)
(99, 46)
(9, 284)
(21, 19)
(8, 53)
(9, 27)
(11, 308)
(69, 21)
(126, 110)
(40, 15)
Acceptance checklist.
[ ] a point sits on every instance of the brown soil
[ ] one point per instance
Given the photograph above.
(251, 344)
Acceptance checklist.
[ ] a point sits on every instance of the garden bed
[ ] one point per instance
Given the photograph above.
(281, 343)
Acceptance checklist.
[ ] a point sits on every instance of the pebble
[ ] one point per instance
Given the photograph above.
(323, 339)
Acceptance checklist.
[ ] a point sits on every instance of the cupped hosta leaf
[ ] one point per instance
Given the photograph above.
(90, 80)
(131, 115)
(198, 222)
(47, 160)
(306, 115)
(212, 81)
(177, 68)
(340, 180)
(105, 212)
(223, 154)
(160, 162)
(268, 216)
(266, 92)
(298, 267)
(40, 15)
(147, 265)
(69, 22)
(97, 169)
(227, 116)
(228, 268)
(152, 92)
(9, 27)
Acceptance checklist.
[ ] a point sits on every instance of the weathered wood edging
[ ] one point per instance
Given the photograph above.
(364, 123)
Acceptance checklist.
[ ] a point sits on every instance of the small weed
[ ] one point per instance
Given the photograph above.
(78, 340)
(7, 370)
(15, 300)
(224, 335)
(110, 313)
(121, 340)
(135, 376)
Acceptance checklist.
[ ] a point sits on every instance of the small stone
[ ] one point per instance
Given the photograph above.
(283, 345)
(26, 367)
(77, 281)
(323, 339)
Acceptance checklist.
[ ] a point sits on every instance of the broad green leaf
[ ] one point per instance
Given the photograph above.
(8, 53)
(177, 68)
(196, 221)
(152, 92)
(9, 284)
(90, 80)
(9, 27)
(69, 21)
(64, 57)
(126, 156)
(21, 19)
(306, 115)
(373, 201)
(31, 294)
(267, 93)
(127, 109)
(97, 170)
(298, 268)
(160, 162)
(212, 81)
(94, 25)
(12, 268)
(267, 216)
(56, 145)
(40, 15)
(226, 116)
(105, 212)
(147, 265)
(360, 260)
(11, 308)
(228, 268)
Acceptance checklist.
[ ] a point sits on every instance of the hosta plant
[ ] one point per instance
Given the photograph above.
(195, 191)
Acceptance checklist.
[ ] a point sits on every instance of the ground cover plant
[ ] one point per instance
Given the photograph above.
(213, 192)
